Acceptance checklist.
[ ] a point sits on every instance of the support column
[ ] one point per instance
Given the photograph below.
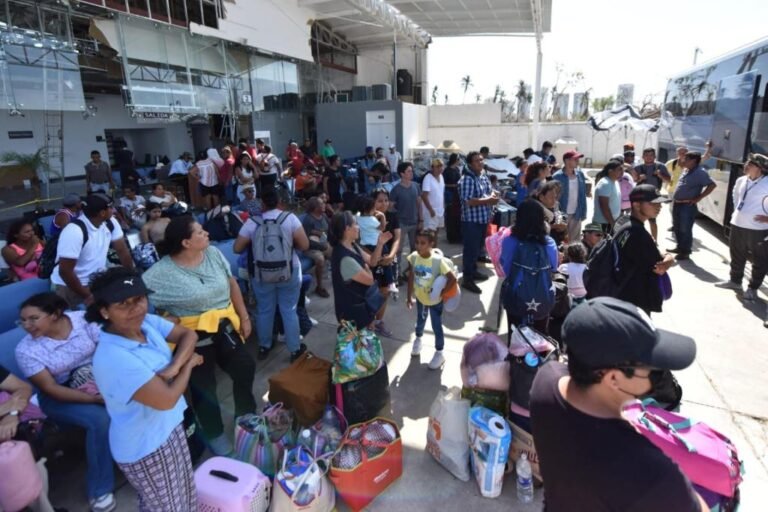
(534, 136)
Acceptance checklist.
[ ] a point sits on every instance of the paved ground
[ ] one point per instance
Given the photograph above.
(725, 386)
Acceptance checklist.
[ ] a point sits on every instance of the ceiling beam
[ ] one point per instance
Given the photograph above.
(336, 14)
(309, 3)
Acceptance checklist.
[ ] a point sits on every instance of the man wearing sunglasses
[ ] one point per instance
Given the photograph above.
(591, 458)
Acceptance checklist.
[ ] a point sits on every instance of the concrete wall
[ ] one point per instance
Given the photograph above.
(415, 123)
(80, 134)
(283, 126)
(473, 126)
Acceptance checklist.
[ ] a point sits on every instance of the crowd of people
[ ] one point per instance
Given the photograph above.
(124, 353)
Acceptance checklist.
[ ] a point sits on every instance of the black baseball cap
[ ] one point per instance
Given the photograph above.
(121, 289)
(647, 194)
(605, 332)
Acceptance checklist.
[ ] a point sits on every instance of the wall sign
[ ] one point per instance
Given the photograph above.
(21, 135)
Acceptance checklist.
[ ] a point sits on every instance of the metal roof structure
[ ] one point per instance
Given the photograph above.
(370, 22)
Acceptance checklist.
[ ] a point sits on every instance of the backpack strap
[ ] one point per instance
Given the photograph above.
(79, 223)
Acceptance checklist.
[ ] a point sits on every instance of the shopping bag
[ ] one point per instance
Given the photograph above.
(260, 439)
(357, 354)
(447, 438)
(369, 459)
(363, 399)
(302, 484)
(303, 387)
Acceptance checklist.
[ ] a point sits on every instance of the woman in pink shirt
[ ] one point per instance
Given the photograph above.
(23, 250)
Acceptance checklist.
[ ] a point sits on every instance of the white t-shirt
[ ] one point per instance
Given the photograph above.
(755, 202)
(91, 257)
(290, 225)
(573, 195)
(208, 176)
(134, 207)
(436, 190)
(272, 164)
(393, 159)
(575, 273)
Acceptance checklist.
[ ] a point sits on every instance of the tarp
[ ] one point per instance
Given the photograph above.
(503, 164)
(621, 117)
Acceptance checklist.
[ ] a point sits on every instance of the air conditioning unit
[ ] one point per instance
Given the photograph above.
(361, 93)
(381, 92)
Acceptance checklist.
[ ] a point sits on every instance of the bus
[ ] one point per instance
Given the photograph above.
(726, 101)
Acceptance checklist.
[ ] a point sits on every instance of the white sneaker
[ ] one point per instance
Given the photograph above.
(437, 360)
(105, 503)
(306, 300)
(313, 321)
(416, 349)
(750, 295)
(728, 285)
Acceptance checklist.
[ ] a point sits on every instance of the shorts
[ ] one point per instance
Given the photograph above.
(433, 223)
(210, 191)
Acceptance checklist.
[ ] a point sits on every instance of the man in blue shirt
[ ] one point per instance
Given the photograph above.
(695, 184)
(367, 178)
(477, 200)
(573, 196)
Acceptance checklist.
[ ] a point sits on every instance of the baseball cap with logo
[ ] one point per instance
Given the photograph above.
(605, 332)
(121, 289)
(647, 194)
(572, 154)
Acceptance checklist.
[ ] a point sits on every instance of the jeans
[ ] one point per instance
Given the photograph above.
(749, 244)
(240, 367)
(285, 296)
(409, 233)
(474, 235)
(683, 217)
(100, 475)
(436, 316)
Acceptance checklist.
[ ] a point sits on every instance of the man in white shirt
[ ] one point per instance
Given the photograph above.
(749, 227)
(79, 257)
(270, 168)
(393, 160)
(433, 198)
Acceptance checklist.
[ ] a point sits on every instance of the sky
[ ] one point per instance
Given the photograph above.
(611, 42)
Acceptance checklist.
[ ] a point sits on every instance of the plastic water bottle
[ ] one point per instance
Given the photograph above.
(524, 479)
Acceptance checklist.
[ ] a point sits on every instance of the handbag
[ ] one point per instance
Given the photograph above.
(260, 439)
(357, 354)
(447, 434)
(369, 459)
(523, 368)
(302, 484)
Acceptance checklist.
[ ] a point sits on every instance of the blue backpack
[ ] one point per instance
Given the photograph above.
(527, 291)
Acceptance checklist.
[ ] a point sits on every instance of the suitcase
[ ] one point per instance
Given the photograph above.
(363, 399)
(228, 485)
(303, 387)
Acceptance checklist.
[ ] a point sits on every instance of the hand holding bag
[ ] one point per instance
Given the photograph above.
(357, 354)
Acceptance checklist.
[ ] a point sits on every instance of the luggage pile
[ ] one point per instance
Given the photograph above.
(321, 435)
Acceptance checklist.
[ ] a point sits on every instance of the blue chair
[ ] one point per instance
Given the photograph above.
(8, 342)
(12, 295)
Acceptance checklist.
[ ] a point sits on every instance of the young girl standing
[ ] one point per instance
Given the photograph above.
(576, 263)
(426, 264)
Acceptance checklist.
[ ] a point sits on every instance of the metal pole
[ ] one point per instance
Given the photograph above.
(394, 63)
(534, 136)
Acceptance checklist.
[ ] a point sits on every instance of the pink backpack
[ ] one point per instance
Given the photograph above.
(493, 248)
(21, 483)
(705, 456)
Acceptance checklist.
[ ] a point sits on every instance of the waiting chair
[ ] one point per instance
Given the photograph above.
(12, 295)
(8, 342)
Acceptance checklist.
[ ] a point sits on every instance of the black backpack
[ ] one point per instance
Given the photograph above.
(602, 277)
(48, 257)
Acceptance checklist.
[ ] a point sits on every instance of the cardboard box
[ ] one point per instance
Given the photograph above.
(522, 442)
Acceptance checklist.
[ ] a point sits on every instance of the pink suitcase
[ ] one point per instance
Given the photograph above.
(228, 485)
(21, 482)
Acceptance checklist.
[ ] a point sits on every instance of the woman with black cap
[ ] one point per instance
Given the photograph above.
(143, 385)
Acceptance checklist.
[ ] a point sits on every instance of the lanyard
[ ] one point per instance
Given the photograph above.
(747, 189)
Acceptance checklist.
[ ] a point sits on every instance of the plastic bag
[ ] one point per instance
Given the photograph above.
(447, 437)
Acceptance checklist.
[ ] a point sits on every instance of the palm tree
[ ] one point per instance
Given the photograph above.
(446, 99)
(434, 95)
(466, 83)
(496, 93)
(523, 97)
(477, 98)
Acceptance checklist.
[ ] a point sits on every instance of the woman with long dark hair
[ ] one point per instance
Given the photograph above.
(23, 250)
(451, 176)
(530, 228)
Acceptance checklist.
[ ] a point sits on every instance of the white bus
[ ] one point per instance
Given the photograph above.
(725, 101)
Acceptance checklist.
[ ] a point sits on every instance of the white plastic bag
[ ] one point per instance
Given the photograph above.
(447, 434)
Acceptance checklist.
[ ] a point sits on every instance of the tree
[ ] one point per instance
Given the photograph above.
(466, 83)
(524, 98)
(604, 103)
(496, 93)
(478, 98)
(434, 95)
(446, 99)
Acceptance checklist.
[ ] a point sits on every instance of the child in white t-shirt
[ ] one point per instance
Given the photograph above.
(573, 267)
(371, 223)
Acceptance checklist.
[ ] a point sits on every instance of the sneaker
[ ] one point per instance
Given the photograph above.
(470, 286)
(380, 328)
(220, 446)
(104, 503)
(416, 349)
(313, 321)
(295, 355)
(750, 295)
(480, 277)
(392, 288)
(321, 292)
(673, 250)
(681, 256)
(263, 353)
(306, 300)
(438, 360)
(728, 285)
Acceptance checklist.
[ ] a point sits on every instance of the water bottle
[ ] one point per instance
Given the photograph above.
(524, 479)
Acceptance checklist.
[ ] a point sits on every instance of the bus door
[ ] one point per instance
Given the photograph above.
(732, 125)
